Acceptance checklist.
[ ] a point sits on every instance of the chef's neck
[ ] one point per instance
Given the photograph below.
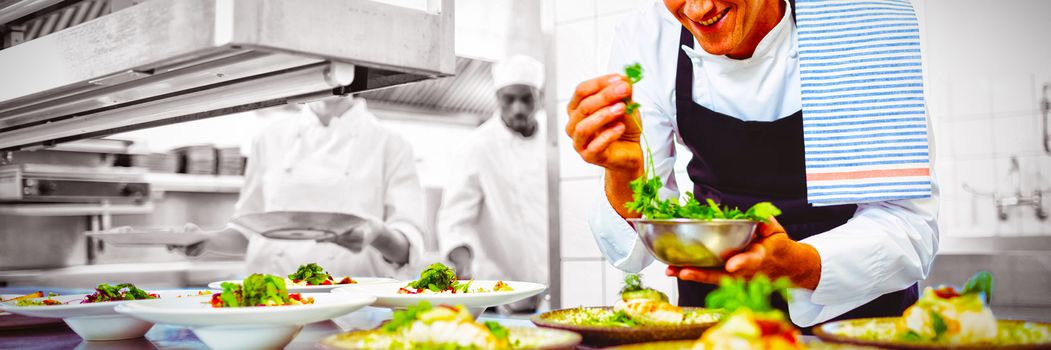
(331, 107)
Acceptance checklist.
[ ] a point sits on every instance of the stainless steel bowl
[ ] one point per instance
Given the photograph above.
(688, 242)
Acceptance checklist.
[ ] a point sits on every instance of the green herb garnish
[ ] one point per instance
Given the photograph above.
(634, 290)
(436, 278)
(980, 283)
(736, 293)
(123, 291)
(634, 74)
(256, 290)
(500, 332)
(939, 325)
(403, 318)
(311, 273)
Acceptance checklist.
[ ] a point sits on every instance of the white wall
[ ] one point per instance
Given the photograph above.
(982, 80)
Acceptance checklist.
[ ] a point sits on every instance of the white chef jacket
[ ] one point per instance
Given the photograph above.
(495, 203)
(885, 247)
(353, 166)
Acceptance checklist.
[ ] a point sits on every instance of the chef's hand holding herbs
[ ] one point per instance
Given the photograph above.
(604, 135)
(606, 128)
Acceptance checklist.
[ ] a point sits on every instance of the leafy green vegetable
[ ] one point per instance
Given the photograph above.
(500, 332)
(939, 325)
(231, 294)
(311, 273)
(633, 290)
(620, 319)
(981, 282)
(123, 291)
(632, 282)
(911, 336)
(736, 293)
(436, 278)
(634, 74)
(403, 318)
(256, 290)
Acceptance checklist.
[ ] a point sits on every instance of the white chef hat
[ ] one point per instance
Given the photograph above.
(518, 69)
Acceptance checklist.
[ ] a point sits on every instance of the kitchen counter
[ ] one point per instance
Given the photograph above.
(172, 337)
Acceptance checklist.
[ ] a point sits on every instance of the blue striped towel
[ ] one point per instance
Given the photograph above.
(864, 121)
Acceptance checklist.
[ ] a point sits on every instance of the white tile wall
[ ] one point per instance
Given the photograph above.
(582, 283)
(577, 198)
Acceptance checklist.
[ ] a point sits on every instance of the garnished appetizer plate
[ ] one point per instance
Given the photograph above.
(91, 316)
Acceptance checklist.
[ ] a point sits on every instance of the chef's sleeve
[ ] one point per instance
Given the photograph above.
(615, 237)
(885, 247)
(461, 206)
(403, 197)
(251, 197)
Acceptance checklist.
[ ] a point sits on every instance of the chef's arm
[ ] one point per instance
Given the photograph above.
(401, 240)
(461, 205)
(887, 246)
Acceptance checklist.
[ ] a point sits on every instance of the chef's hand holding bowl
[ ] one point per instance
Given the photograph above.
(772, 253)
(604, 135)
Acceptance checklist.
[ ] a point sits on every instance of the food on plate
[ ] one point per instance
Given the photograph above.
(123, 291)
(444, 327)
(313, 275)
(645, 188)
(646, 305)
(751, 322)
(639, 306)
(953, 316)
(30, 299)
(439, 278)
(257, 290)
(103, 293)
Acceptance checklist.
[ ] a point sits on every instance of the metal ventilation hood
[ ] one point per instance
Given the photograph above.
(168, 61)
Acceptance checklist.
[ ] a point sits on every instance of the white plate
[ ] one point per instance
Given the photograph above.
(387, 294)
(197, 311)
(151, 236)
(93, 321)
(218, 285)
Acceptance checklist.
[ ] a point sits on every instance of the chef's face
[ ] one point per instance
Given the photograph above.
(518, 104)
(728, 27)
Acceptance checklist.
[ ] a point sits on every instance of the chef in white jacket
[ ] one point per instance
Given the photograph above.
(331, 156)
(723, 78)
(493, 218)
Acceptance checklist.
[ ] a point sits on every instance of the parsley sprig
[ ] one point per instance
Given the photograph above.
(645, 199)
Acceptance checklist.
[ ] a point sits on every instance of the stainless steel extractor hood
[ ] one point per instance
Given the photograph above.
(166, 61)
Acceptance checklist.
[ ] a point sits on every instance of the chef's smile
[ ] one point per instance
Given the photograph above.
(727, 27)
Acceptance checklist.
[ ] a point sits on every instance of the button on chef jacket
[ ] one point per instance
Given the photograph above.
(495, 203)
(885, 247)
(353, 165)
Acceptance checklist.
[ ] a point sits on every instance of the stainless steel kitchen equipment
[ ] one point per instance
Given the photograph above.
(58, 183)
(167, 61)
(687, 242)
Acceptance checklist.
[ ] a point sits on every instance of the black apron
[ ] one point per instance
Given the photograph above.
(722, 169)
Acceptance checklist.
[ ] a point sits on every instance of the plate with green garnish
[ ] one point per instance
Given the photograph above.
(640, 315)
(946, 317)
(438, 285)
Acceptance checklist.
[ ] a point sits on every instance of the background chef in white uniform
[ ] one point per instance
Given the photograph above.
(330, 156)
(493, 219)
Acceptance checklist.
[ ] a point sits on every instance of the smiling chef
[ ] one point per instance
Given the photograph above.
(814, 105)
